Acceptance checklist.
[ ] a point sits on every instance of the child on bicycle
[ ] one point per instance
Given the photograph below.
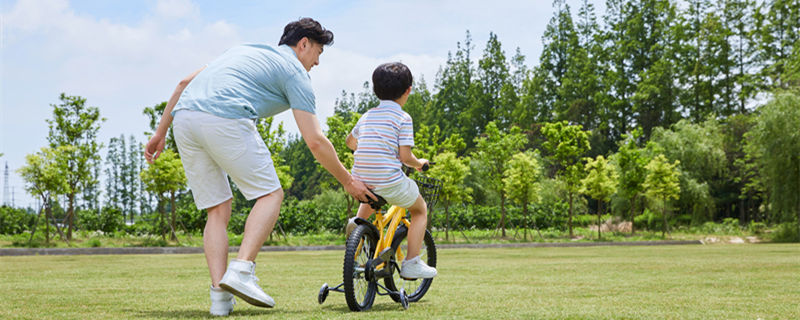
(382, 140)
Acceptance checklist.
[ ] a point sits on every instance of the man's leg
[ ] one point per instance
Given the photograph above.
(259, 224)
(215, 240)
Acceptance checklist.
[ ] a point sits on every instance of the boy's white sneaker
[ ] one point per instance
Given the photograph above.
(221, 302)
(240, 279)
(416, 268)
(351, 225)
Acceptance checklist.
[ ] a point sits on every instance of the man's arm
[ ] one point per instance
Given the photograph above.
(156, 143)
(323, 151)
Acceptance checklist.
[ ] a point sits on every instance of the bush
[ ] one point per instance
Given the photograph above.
(108, 220)
(15, 220)
(786, 232)
(757, 228)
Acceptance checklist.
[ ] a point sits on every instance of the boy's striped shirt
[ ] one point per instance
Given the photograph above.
(380, 133)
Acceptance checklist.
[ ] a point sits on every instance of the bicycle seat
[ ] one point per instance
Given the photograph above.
(376, 205)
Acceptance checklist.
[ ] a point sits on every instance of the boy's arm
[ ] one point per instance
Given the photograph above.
(408, 158)
(351, 142)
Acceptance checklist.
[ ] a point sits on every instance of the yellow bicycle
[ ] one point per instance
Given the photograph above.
(375, 250)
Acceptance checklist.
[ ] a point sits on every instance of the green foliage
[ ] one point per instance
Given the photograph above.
(275, 142)
(661, 182)
(521, 178)
(165, 174)
(15, 220)
(600, 182)
(786, 232)
(774, 146)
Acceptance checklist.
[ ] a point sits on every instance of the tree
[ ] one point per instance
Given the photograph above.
(75, 124)
(494, 148)
(338, 130)
(566, 144)
(631, 161)
(451, 171)
(165, 176)
(275, 142)
(452, 85)
(661, 184)
(600, 183)
(521, 183)
(774, 145)
(700, 149)
(44, 177)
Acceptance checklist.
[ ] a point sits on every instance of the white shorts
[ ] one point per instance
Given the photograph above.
(212, 148)
(402, 194)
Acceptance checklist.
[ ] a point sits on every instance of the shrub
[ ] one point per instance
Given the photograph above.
(786, 232)
(15, 220)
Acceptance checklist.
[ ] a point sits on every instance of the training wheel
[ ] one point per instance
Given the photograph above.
(323, 293)
(404, 299)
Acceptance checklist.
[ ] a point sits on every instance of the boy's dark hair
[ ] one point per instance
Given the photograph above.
(391, 80)
(305, 27)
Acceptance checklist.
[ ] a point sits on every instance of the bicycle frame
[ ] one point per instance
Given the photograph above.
(393, 217)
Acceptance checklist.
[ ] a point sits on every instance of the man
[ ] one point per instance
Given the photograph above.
(213, 110)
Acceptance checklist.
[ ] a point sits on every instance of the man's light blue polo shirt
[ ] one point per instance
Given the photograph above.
(250, 81)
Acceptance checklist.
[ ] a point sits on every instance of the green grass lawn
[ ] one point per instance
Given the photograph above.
(643, 282)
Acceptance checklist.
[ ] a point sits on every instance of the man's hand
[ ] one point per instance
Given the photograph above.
(359, 190)
(154, 147)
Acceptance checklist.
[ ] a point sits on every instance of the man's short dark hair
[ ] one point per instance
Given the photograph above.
(305, 27)
(391, 80)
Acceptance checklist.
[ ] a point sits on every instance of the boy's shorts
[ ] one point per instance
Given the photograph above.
(402, 194)
(212, 148)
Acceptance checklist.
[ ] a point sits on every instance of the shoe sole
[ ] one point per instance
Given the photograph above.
(246, 298)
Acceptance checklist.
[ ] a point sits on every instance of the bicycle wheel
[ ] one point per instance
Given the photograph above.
(418, 287)
(358, 290)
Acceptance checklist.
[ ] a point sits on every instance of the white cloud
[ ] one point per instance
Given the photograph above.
(175, 8)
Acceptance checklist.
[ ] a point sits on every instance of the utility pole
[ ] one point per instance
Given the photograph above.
(5, 186)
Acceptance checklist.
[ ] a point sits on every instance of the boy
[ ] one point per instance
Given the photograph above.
(382, 139)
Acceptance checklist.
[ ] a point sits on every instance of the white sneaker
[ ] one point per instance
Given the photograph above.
(221, 302)
(240, 279)
(351, 225)
(416, 268)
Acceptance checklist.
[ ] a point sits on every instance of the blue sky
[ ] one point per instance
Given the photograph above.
(124, 55)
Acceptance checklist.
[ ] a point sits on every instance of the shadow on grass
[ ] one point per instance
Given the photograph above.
(200, 314)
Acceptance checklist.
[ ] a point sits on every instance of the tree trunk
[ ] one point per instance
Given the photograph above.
(503, 214)
(525, 225)
(33, 230)
(70, 215)
(633, 212)
(664, 216)
(599, 218)
(446, 220)
(172, 236)
(569, 221)
(161, 215)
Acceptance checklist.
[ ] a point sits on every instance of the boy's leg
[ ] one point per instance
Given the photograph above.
(364, 211)
(416, 232)
(413, 266)
(215, 240)
(259, 224)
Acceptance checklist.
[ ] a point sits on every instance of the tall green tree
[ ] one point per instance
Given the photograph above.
(488, 97)
(566, 144)
(76, 124)
(452, 85)
(165, 178)
(452, 171)
(338, 130)
(600, 183)
(493, 149)
(774, 145)
(631, 160)
(44, 176)
(521, 182)
(778, 32)
(661, 185)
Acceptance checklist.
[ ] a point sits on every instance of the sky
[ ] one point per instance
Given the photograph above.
(125, 55)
